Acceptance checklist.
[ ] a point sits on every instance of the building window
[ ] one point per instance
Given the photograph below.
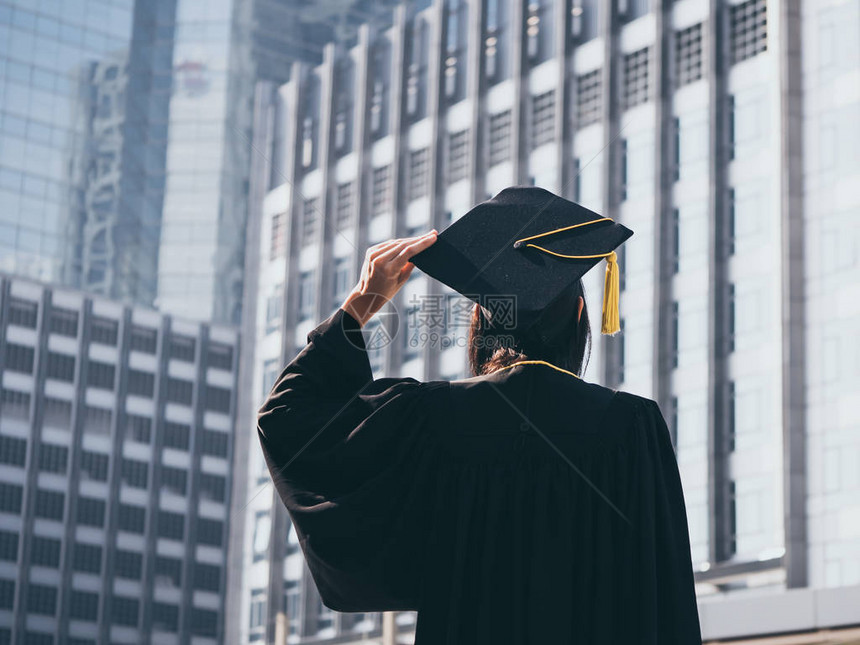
(636, 86)
(168, 571)
(458, 156)
(53, 458)
(103, 331)
(100, 375)
(214, 443)
(496, 41)
(176, 435)
(61, 367)
(500, 138)
(41, 599)
(44, 552)
(262, 534)
(135, 473)
(588, 98)
(381, 74)
(624, 178)
(10, 498)
(674, 314)
(748, 29)
(171, 525)
(731, 429)
(90, 511)
(128, 564)
(731, 207)
(204, 622)
(416, 74)
(7, 601)
(207, 577)
(124, 611)
(182, 348)
(174, 480)
(258, 609)
(307, 293)
(165, 618)
(141, 383)
(144, 340)
(343, 105)
(220, 356)
(622, 267)
(292, 599)
(213, 487)
(179, 390)
(543, 119)
(310, 220)
(94, 466)
(132, 518)
(342, 281)
(218, 399)
(97, 420)
(274, 308)
(324, 616)
(87, 558)
(23, 313)
(13, 451)
(381, 191)
(278, 239)
(688, 54)
(19, 358)
(419, 173)
(309, 127)
(14, 405)
(56, 413)
(83, 605)
(345, 205)
(676, 239)
(63, 322)
(50, 504)
(8, 546)
(731, 318)
(456, 43)
(210, 532)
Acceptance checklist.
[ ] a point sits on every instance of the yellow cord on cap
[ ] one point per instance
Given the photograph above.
(611, 320)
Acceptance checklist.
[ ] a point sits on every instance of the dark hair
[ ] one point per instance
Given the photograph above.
(491, 349)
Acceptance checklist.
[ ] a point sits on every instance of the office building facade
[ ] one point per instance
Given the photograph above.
(116, 439)
(721, 132)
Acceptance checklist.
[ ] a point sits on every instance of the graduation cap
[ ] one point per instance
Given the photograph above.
(533, 245)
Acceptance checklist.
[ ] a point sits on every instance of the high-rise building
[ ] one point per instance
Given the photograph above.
(724, 133)
(116, 438)
(125, 149)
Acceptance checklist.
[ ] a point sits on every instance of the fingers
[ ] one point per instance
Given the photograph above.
(416, 247)
(404, 244)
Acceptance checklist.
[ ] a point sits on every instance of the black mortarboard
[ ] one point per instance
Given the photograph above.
(528, 243)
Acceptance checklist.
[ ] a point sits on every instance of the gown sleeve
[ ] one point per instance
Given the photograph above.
(666, 583)
(351, 458)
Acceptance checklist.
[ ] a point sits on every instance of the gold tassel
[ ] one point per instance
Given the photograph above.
(611, 323)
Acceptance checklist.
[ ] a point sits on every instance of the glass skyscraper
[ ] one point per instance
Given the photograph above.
(84, 91)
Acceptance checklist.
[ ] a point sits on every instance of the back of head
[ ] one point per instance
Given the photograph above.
(560, 339)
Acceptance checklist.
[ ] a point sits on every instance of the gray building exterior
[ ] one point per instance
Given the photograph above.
(116, 441)
(724, 133)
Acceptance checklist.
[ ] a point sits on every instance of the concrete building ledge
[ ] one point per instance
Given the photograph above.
(784, 612)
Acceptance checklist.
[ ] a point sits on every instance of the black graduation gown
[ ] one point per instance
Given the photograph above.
(527, 506)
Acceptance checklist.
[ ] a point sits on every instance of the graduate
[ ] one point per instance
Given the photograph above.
(523, 505)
